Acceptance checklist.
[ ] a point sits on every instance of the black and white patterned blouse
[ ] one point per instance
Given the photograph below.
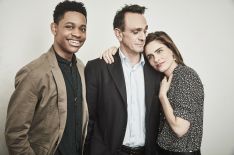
(186, 96)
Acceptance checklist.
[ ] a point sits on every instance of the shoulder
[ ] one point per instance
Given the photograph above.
(185, 75)
(94, 67)
(97, 64)
(185, 72)
(101, 62)
(35, 68)
(95, 61)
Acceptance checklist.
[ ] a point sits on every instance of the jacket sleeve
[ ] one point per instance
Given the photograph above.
(92, 98)
(20, 114)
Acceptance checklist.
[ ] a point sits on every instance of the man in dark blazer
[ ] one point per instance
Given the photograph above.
(122, 97)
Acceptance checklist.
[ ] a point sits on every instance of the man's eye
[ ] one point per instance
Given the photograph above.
(69, 27)
(83, 29)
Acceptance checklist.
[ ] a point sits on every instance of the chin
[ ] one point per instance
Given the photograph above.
(139, 51)
(74, 49)
(161, 69)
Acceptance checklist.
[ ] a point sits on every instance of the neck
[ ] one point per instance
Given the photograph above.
(61, 53)
(134, 57)
(171, 69)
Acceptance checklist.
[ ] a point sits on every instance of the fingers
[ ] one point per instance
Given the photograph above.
(107, 59)
(170, 78)
(110, 56)
(164, 79)
(107, 55)
(112, 52)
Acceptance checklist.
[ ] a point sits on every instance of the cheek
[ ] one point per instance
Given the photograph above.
(84, 37)
(60, 36)
(170, 57)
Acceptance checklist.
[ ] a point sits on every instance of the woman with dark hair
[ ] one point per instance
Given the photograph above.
(181, 95)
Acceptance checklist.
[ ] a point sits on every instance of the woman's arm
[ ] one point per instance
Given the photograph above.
(107, 55)
(179, 125)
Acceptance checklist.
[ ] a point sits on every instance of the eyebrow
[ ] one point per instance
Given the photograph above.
(69, 23)
(74, 23)
(139, 29)
(158, 49)
(154, 51)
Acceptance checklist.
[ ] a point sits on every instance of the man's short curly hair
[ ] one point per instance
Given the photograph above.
(66, 6)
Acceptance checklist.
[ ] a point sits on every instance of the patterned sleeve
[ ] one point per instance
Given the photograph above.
(189, 96)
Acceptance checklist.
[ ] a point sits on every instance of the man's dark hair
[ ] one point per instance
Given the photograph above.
(119, 16)
(66, 6)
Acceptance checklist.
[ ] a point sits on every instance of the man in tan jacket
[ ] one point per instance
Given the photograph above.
(47, 113)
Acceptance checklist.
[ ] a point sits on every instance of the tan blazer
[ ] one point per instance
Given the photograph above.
(37, 110)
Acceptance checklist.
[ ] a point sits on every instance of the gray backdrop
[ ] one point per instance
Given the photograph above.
(203, 31)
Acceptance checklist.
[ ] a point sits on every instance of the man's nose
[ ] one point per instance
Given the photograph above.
(76, 32)
(142, 36)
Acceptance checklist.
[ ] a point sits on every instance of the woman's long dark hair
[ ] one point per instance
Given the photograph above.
(164, 38)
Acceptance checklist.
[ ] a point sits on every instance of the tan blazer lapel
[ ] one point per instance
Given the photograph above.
(61, 87)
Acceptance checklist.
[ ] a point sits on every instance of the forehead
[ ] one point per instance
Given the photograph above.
(152, 46)
(134, 20)
(74, 17)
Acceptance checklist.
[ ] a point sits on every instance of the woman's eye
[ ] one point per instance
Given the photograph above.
(159, 51)
(149, 57)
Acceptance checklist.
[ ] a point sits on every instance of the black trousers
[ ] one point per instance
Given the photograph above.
(166, 152)
(125, 150)
(124, 153)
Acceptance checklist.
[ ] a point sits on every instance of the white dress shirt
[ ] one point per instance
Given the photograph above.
(135, 88)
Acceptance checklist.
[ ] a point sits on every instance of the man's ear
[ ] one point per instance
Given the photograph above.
(53, 27)
(118, 34)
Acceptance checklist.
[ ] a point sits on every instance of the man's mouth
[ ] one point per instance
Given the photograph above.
(75, 43)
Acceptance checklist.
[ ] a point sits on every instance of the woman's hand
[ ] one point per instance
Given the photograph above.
(108, 55)
(164, 86)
